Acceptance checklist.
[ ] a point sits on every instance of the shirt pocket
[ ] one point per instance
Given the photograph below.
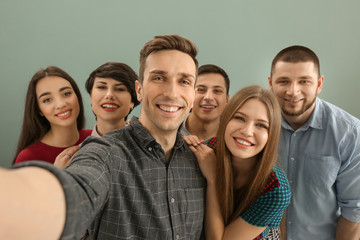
(321, 171)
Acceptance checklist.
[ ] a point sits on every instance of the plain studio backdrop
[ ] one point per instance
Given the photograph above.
(240, 36)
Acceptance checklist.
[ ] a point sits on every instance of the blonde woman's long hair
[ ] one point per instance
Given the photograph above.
(267, 158)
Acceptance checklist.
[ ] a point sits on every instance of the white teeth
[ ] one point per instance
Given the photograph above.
(109, 106)
(243, 142)
(168, 109)
(63, 114)
(208, 107)
(292, 100)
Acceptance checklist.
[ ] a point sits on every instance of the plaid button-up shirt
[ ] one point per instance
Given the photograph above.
(120, 186)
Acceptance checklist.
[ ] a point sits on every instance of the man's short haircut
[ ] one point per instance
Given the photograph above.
(296, 54)
(166, 42)
(212, 68)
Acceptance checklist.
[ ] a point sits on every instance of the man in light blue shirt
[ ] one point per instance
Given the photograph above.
(319, 150)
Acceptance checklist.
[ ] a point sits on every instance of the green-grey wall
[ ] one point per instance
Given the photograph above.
(240, 36)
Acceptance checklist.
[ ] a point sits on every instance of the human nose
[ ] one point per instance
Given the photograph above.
(248, 130)
(171, 90)
(109, 94)
(60, 103)
(292, 89)
(208, 95)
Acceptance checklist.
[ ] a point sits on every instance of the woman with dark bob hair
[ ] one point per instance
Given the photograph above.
(112, 93)
(247, 192)
(53, 117)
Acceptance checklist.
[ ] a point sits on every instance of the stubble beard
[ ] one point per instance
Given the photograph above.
(301, 111)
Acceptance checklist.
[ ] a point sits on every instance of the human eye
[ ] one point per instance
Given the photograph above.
(218, 91)
(262, 125)
(239, 117)
(185, 82)
(67, 93)
(46, 100)
(201, 90)
(121, 89)
(158, 78)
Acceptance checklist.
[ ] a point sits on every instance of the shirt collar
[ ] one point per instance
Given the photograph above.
(143, 136)
(315, 121)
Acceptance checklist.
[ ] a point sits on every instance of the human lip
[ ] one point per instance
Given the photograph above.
(169, 108)
(242, 142)
(207, 107)
(292, 101)
(109, 107)
(64, 114)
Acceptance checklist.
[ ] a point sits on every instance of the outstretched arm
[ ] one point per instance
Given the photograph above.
(32, 204)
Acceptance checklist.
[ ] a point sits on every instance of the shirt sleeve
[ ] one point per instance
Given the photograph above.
(268, 209)
(348, 179)
(85, 183)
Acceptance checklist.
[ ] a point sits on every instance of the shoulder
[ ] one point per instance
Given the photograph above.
(84, 133)
(277, 188)
(211, 142)
(337, 117)
(31, 152)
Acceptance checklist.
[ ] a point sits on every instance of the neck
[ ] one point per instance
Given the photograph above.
(61, 136)
(242, 169)
(103, 127)
(166, 138)
(298, 121)
(203, 130)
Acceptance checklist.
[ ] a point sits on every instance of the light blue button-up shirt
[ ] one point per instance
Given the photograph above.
(322, 162)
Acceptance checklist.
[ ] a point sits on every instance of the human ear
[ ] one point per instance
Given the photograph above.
(139, 90)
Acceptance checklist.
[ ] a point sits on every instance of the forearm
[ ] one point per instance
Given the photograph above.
(346, 230)
(214, 222)
(32, 204)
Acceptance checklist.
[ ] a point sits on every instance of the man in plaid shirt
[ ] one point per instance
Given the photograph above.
(139, 182)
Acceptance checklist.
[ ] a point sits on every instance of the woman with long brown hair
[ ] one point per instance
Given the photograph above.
(53, 116)
(247, 192)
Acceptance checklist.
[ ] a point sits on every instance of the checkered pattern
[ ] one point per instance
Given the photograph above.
(123, 188)
(211, 142)
(269, 207)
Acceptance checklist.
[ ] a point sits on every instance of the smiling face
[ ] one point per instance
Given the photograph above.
(211, 97)
(167, 92)
(57, 101)
(246, 134)
(110, 101)
(296, 86)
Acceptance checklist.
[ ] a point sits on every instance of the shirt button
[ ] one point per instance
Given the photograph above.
(289, 222)
(290, 181)
(177, 236)
(292, 159)
(150, 149)
(294, 134)
(172, 200)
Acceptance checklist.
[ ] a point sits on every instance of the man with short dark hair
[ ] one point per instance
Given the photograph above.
(211, 97)
(138, 182)
(319, 150)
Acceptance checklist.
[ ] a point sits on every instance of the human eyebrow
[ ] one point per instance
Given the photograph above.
(44, 94)
(160, 72)
(187, 75)
(64, 88)
(263, 121)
